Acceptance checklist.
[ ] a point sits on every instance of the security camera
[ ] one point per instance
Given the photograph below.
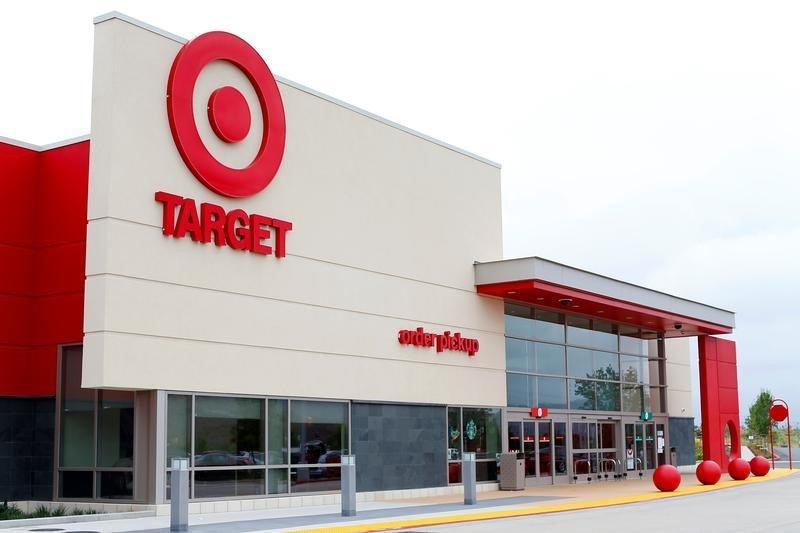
(565, 301)
(678, 326)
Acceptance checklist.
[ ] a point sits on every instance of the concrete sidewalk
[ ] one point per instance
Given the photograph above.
(376, 516)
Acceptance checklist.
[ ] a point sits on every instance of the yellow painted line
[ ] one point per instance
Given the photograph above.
(540, 509)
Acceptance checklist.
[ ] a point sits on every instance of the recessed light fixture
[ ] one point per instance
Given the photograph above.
(575, 306)
(539, 298)
(511, 292)
(600, 311)
(628, 318)
(650, 322)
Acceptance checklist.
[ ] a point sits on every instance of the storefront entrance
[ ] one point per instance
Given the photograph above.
(544, 443)
(594, 449)
(644, 445)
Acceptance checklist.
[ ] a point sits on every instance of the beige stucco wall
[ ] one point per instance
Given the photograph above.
(387, 226)
(679, 377)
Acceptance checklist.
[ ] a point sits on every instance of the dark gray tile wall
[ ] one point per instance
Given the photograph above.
(681, 437)
(26, 448)
(399, 446)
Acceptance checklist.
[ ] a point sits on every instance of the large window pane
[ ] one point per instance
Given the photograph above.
(518, 355)
(517, 326)
(223, 483)
(278, 433)
(228, 431)
(548, 326)
(630, 341)
(552, 393)
(115, 485)
(581, 394)
(454, 433)
(482, 432)
(606, 366)
(591, 334)
(607, 396)
(521, 390)
(77, 418)
(632, 368)
(318, 432)
(278, 480)
(115, 430)
(74, 484)
(580, 363)
(179, 427)
(549, 359)
(632, 398)
(316, 479)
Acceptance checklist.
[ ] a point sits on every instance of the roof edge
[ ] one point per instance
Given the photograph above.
(177, 38)
(44, 147)
(616, 280)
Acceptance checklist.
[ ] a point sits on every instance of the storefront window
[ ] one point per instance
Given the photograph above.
(549, 359)
(521, 390)
(454, 434)
(228, 432)
(582, 394)
(97, 434)
(179, 427)
(318, 432)
(115, 430)
(552, 393)
(278, 432)
(226, 483)
(475, 430)
(77, 414)
(482, 433)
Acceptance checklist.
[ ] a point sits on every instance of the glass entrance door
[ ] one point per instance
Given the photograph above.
(594, 449)
(543, 442)
(641, 446)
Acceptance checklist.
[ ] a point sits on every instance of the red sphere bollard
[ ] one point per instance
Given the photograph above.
(759, 466)
(739, 469)
(708, 472)
(666, 478)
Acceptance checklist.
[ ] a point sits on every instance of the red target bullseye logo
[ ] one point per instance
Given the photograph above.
(228, 114)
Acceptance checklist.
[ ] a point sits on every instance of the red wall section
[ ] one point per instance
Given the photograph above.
(42, 262)
(719, 399)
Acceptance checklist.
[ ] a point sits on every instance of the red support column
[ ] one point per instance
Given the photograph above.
(719, 399)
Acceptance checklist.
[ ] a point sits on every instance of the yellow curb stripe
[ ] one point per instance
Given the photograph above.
(528, 511)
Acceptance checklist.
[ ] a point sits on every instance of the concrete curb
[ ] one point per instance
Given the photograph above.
(74, 519)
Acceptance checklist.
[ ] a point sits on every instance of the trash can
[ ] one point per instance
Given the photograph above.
(512, 471)
(673, 456)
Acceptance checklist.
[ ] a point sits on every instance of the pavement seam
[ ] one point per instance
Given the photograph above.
(529, 511)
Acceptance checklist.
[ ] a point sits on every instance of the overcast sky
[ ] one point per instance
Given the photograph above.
(653, 143)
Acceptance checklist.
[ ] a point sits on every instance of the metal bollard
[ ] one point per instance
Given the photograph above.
(179, 495)
(468, 477)
(348, 485)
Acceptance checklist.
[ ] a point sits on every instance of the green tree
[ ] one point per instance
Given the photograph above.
(758, 421)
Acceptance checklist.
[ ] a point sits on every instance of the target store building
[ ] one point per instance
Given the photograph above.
(245, 272)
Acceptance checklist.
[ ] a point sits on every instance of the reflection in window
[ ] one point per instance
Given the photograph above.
(607, 396)
(224, 483)
(318, 432)
(517, 356)
(228, 431)
(549, 359)
(454, 434)
(580, 363)
(582, 394)
(552, 393)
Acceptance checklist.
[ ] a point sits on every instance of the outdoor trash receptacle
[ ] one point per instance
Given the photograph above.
(512, 471)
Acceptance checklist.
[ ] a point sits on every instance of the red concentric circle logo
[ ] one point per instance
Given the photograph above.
(228, 114)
